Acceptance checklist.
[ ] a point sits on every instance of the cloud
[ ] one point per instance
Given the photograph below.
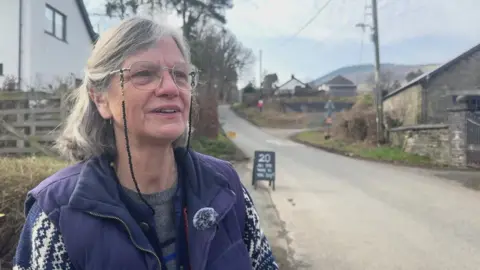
(398, 19)
(411, 32)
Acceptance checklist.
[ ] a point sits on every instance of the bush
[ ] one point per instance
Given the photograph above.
(358, 123)
(18, 176)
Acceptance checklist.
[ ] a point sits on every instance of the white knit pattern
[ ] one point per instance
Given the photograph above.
(47, 247)
(255, 240)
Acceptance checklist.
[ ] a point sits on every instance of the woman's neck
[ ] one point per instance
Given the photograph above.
(154, 168)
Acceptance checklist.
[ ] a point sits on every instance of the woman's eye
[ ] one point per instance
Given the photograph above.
(180, 75)
(143, 73)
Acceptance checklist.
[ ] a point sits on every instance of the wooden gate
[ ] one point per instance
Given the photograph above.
(473, 138)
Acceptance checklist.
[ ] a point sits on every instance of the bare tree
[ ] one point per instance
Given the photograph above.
(195, 12)
(269, 80)
(192, 12)
(387, 82)
(221, 59)
(413, 74)
(121, 8)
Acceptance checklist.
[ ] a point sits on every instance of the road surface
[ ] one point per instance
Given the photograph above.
(342, 213)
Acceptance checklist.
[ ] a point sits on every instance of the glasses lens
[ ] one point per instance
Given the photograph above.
(145, 75)
(185, 76)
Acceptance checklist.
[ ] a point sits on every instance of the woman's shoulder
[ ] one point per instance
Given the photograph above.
(211, 161)
(217, 165)
(62, 177)
(57, 187)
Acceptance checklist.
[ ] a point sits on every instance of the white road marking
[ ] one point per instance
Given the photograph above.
(281, 142)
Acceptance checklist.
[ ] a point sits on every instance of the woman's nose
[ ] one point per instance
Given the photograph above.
(167, 85)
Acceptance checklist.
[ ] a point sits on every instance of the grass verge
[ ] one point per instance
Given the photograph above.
(272, 118)
(362, 150)
(221, 147)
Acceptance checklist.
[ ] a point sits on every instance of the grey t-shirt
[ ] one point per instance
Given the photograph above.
(162, 203)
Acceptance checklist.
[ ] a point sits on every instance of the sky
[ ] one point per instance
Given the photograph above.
(411, 32)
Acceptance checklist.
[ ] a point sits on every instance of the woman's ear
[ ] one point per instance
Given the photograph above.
(101, 101)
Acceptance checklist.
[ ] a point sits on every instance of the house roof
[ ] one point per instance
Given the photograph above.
(429, 75)
(86, 20)
(292, 79)
(339, 80)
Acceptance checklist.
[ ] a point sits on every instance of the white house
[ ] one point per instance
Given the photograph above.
(289, 86)
(44, 41)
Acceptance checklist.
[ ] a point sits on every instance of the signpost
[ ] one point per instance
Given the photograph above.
(330, 107)
(264, 168)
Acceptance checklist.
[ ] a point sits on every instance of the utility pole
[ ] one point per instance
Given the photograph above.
(378, 90)
(260, 79)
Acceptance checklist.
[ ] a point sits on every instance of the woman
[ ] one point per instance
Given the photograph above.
(138, 198)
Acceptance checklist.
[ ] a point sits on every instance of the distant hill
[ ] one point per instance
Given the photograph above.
(359, 74)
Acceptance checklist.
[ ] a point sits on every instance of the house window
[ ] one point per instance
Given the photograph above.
(473, 103)
(78, 82)
(55, 23)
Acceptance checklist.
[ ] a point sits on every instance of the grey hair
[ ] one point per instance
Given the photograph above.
(85, 132)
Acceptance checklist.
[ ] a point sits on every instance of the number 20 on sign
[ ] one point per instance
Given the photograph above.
(264, 168)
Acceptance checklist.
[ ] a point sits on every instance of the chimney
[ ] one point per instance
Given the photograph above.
(293, 77)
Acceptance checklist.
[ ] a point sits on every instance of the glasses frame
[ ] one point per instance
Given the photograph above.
(195, 72)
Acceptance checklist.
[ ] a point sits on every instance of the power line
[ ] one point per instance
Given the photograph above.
(309, 22)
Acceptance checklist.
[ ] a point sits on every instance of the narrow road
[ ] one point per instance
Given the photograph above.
(342, 213)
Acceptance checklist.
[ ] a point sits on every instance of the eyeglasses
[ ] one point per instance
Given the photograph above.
(148, 76)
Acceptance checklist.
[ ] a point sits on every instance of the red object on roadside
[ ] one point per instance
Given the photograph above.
(260, 103)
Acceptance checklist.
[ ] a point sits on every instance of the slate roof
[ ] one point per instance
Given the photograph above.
(429, 75)
(339, 80)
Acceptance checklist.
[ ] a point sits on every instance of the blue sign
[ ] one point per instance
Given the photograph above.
(330, 107)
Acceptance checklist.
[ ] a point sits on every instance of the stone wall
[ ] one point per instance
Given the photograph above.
(405, 106)
(456, 121)
(425, 140)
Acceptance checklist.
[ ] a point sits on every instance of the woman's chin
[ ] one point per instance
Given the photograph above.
(169, 133)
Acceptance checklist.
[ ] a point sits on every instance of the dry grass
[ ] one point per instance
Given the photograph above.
(272, 117)
(17, 177)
